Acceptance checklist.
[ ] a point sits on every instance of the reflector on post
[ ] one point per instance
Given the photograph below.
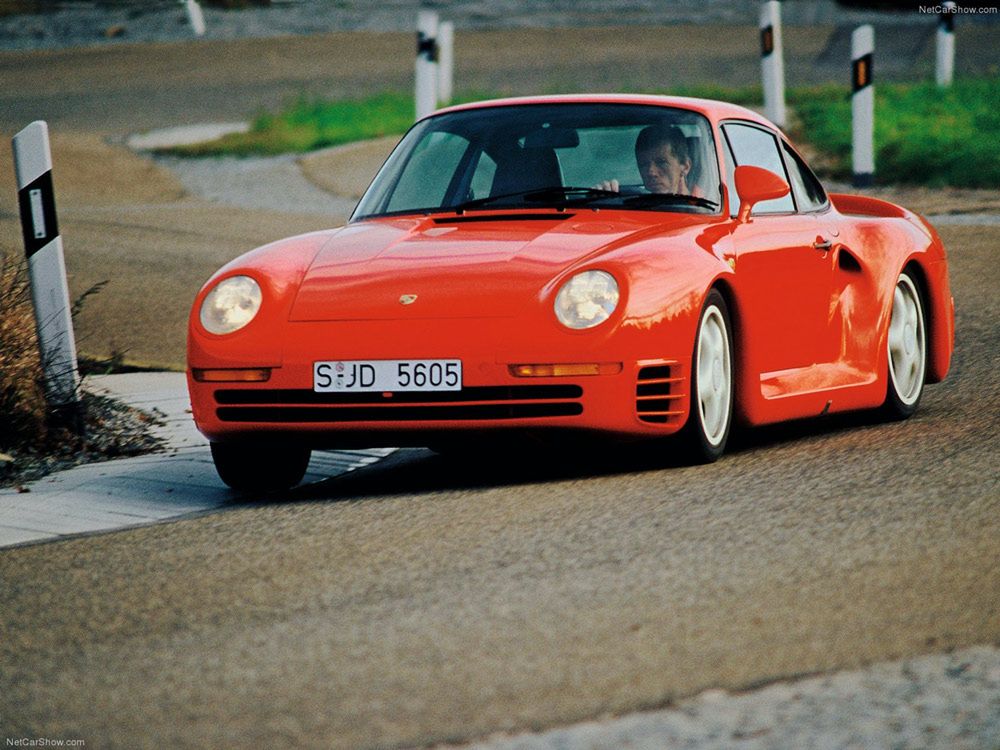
(944, 70)
(446, 61)
(862, 106)
(195, 16)
(772, 64)
(426, 86)
(46, 266)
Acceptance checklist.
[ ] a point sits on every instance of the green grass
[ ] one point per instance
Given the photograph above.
(309, 124)
(923, 134)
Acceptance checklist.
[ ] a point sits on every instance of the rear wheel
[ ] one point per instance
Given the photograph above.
(907, 350)
(261, 467)
(711, 412)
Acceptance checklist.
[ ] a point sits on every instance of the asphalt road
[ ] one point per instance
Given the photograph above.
(429, 599)
(433, 599)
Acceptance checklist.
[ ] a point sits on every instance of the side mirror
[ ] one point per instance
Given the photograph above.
(755, 184)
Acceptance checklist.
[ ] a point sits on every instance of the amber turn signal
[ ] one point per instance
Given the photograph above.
(565, 370)
(252, 375)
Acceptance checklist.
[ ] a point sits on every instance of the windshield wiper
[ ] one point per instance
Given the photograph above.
(658, 199)
(579, 196)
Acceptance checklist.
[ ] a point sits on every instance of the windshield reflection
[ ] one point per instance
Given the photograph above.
(637, 157)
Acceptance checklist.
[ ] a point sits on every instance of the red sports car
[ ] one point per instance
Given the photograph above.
(628, 265)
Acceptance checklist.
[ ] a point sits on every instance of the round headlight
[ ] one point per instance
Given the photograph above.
(587, 299)
(230, 305)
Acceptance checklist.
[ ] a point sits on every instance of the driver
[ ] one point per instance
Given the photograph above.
(664, 160)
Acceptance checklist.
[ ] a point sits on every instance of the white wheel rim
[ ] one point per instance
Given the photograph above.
(907, 342)
(715, 382)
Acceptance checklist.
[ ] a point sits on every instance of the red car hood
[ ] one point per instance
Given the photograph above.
(460, 267)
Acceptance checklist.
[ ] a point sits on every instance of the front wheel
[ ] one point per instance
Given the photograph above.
(260, 467)
(907, 350)
(711, 412)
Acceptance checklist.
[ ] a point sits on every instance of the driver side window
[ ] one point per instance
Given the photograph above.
(756, 147)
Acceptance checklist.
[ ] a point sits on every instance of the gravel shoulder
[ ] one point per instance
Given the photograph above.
(949, 701)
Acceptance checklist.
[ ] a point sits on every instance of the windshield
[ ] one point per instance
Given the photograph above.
(640, 157)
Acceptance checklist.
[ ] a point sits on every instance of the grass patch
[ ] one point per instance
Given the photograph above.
(923, 134)
(308, 124)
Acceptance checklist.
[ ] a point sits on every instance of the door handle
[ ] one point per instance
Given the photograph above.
(822, 244)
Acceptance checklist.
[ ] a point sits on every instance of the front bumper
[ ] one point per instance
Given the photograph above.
(647, 397)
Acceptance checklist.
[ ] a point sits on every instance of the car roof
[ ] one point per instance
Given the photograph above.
(710, 108)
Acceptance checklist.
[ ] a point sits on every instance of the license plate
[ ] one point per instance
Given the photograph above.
(388, 375)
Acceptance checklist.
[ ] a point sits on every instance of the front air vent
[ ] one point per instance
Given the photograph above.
(492, 403)
(420, 413)
(659, 393)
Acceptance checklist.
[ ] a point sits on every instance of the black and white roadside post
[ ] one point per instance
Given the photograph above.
(195, 16)
(862, 106)
(47, 270)
(426, 88)
(772, 63)
(944, 70)
(446, 61)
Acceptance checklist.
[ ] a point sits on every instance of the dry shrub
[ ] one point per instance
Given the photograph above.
(23, 411)
(39, 439)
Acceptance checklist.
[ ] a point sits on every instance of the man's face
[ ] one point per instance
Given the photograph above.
(661, 170)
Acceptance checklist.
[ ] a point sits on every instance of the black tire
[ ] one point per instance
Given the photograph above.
(711, 411)
(906, 347)
(260, 467)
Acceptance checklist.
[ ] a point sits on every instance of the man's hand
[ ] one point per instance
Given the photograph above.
(611, 185)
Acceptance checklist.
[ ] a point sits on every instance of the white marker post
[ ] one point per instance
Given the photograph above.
(945, 68)
(195, 16)
(426, 88)
(46, 267)
(446, 61)
(863, 106)
(772, 62)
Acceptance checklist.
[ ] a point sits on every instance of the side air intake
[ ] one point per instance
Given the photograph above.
(659, 393)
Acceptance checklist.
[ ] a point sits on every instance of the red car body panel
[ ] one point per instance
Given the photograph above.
(810, 325)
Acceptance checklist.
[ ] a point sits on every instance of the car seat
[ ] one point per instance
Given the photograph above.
(526, 169)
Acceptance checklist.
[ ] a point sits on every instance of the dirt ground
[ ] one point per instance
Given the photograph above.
(126, 221)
